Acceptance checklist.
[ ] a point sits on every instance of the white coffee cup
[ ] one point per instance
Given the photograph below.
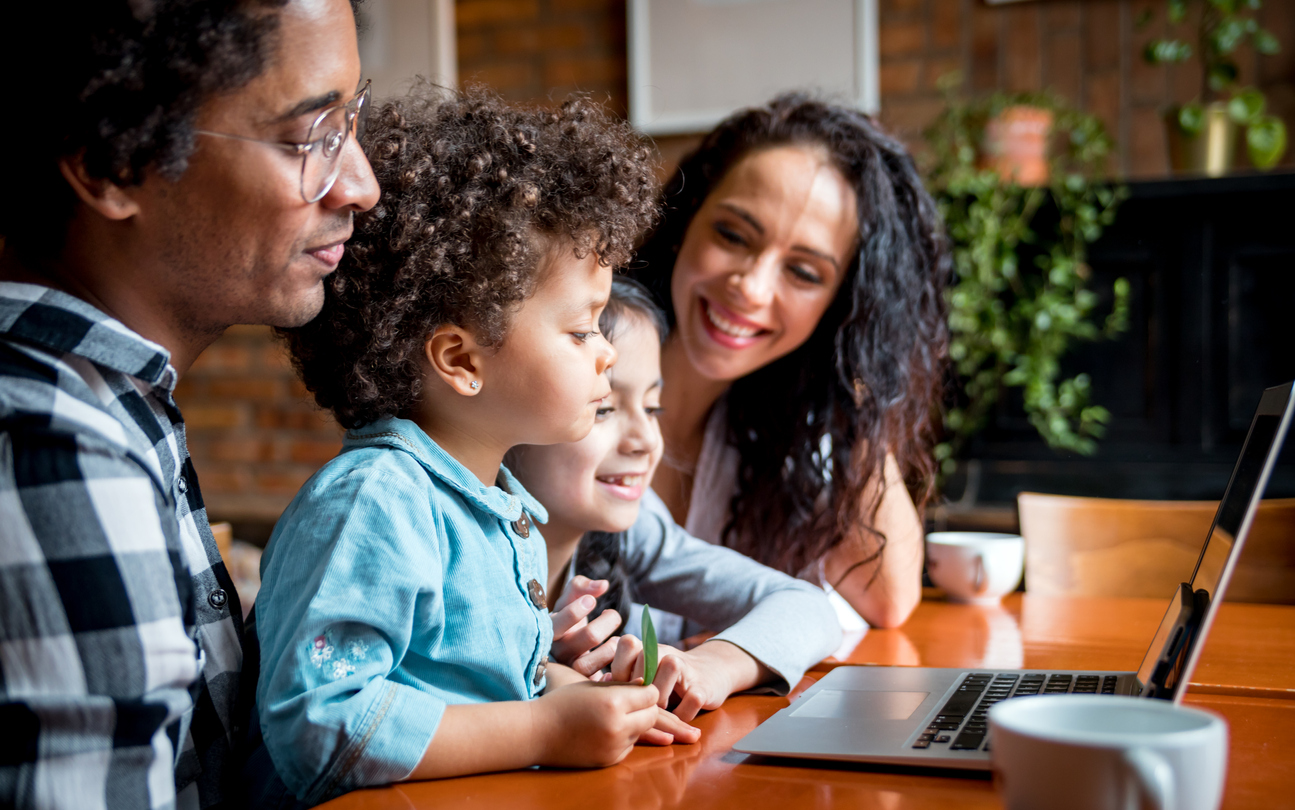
(1106, 752)
(975, 567)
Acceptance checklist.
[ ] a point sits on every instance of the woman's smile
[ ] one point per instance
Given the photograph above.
(728, 328)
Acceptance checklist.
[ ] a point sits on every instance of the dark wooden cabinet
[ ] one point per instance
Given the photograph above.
(1211, 264)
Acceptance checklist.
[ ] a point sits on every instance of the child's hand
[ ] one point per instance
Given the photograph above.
(577, 642)
(591, 724)
(627, 666)
(702, 678)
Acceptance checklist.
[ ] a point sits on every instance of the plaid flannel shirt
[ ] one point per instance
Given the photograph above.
(120, 631)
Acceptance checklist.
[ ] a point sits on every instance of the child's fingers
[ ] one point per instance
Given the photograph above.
(676, 727)
(590, 664)
(581, 586)
(655, 736)
(572, 615)
(693, 702)
(668, 675)
(582, 639)
(627, 664)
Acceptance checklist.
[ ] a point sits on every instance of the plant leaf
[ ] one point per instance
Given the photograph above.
(649, 647)
(1247, 106)
(1266, 141)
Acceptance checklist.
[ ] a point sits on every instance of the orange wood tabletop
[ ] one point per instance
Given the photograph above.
(1247, 675)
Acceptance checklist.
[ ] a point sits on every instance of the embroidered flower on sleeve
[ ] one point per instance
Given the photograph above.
(325, 656)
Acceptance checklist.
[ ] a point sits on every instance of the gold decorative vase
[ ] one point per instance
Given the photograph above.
(1212, 151)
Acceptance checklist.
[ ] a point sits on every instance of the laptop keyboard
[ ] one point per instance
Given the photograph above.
(963, 722)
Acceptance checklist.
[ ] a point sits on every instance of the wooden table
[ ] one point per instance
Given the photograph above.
(1247, 675)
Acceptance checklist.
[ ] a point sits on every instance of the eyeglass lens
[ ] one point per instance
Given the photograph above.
(327, 141)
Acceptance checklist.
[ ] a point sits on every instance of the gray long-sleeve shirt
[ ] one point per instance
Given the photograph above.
(786, 624)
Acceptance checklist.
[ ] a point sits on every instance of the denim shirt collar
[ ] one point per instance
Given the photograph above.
(506, 501)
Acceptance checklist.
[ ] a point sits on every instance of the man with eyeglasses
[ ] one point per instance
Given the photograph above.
(173, 167)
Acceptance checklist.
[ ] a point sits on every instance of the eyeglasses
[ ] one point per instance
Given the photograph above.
(322, 150)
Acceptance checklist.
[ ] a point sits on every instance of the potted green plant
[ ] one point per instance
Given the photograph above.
(1022, 295)
(1202, 133)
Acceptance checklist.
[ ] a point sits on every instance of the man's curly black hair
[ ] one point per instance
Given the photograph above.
(119, 82)
(477, 194)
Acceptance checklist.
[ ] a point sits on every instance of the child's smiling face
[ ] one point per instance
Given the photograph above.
(596, 484)
(548, 377)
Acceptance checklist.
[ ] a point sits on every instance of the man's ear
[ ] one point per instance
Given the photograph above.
(100, 194)
(457, 358)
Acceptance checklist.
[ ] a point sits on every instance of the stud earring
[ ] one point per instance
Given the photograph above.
(474, 385)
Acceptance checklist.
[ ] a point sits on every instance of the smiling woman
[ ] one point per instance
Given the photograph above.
(803, 264)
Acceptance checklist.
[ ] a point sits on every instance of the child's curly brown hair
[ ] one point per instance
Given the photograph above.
(476, 194)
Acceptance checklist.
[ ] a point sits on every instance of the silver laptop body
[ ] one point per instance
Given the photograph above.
(936, 718)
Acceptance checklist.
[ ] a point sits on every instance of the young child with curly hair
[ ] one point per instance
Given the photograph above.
(612, 543)
(402, 620)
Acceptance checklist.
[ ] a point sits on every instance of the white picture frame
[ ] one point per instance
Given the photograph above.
(751, 50)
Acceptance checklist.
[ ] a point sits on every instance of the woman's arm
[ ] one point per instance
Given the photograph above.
(775, 626)
(886, 590)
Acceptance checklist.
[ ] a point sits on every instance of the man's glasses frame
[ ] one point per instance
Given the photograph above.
(321, 152)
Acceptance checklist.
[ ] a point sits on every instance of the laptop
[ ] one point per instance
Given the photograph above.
(937, 718)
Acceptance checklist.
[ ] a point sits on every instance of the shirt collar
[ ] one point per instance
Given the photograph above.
(506, 501)
(54, 320)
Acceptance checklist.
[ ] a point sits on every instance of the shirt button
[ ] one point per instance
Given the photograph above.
(218, 598)
(539, 670)
(522, 526)
(536, 591)
(182, 485)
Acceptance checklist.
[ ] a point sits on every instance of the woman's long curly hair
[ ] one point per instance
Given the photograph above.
(813, 428)
(477, 194)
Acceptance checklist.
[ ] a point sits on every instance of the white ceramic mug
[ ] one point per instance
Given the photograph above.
(975, 567)
(1105, 752)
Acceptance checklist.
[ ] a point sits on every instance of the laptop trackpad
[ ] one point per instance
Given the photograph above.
(876, 705)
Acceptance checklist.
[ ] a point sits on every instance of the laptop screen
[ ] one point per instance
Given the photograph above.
(1172, 654)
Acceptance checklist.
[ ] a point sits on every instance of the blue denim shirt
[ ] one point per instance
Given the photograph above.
(395, 584)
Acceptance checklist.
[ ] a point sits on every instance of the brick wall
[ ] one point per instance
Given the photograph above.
(1090, 51)
(253, 431)
(256, 436)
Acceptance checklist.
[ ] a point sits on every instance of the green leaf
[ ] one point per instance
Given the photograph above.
(1266, 141)
(1160, 51)
(1191, 118)
(1177, 10)
(649, 647)
(1265, 43)
(1228, 35)
(1246, 106)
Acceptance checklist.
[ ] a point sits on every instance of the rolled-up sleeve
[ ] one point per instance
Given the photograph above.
(344, 591)
(786, 624)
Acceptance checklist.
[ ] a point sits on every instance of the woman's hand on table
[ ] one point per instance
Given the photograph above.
(585, 646)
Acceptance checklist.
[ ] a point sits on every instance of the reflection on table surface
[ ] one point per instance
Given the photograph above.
(1247, 675)
(1250, 650)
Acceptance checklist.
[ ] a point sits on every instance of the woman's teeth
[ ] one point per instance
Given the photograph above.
(728, 327)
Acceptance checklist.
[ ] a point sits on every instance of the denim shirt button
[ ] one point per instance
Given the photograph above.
(522, 526)
(536, 591)
(539, 670)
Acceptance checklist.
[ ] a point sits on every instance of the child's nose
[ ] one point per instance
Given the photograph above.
(606, 355)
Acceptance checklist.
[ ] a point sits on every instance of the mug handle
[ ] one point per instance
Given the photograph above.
(1154, 777)
(982, 579)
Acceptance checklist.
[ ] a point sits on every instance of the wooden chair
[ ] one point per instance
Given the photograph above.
(1107, 547)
